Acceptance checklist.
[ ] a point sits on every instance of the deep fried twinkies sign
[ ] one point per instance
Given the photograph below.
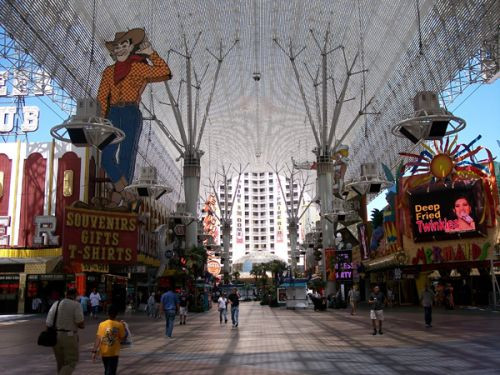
(99, 237)
(444, 212)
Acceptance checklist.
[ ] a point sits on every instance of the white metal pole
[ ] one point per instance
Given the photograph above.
(191, 192)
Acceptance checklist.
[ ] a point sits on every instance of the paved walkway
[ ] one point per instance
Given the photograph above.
(279, 341)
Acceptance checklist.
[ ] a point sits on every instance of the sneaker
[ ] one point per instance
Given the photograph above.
(236, 325)
(374, 332)
(380, 332)
(225, 322)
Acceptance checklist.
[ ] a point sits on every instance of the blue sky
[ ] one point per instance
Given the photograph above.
(479, 106)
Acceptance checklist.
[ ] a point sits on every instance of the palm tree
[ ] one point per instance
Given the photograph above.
(236, 276)
(256, 272)
(276, 267)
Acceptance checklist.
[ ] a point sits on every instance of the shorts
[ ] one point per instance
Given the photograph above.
(377, 314)
(183, 310)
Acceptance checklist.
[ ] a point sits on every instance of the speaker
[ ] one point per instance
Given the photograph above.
(110, 138)
(143, 192)
(160, 194)
(408, 134)
(77, 136)
(438, 129)
(375, 188)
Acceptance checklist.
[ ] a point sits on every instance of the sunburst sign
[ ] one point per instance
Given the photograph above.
(452, 161)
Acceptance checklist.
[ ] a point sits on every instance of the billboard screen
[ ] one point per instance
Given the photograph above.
(446, 211)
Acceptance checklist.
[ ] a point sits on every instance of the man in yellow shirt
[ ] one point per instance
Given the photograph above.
(119, 96)
(109, 336)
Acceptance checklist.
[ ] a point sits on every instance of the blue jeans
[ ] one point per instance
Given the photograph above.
(128, 119)
(223, 314)
(169, 318)
(235, 310)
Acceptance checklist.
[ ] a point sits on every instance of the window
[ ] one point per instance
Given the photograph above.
(256, 238)
(272, 237)
(247, 246)
(272, 247)
(247, 238)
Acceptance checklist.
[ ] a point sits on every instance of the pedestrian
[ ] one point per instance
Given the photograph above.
(376, 302)
(234, 299)
(427, 299)
(36, 304)
(158, 308)
(69, 319)
(84, 302)
(95, 301)
(449, 300)
(110, 334)
(183, 307)
(151, 305)
(170, 305)
(222, 301)
(390, 297)
(353, 299)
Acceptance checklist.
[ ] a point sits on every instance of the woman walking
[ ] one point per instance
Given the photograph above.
(354, 299)
(223, 308)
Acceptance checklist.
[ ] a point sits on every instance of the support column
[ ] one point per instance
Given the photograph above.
(325, 187)
(292, 234)
(191, 193)
(226, 238)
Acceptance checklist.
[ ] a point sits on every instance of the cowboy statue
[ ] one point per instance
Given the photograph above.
(119, 96)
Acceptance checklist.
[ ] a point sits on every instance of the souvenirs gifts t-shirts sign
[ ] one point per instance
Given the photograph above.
(99, 237)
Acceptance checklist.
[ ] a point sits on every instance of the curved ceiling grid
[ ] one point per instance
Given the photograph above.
(267, 118)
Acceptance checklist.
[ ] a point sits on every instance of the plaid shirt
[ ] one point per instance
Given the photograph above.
(131, 87)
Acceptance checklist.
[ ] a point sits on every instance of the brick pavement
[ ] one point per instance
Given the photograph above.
(279, 341)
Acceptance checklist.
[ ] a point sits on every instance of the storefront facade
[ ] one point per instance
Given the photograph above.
(48, 245)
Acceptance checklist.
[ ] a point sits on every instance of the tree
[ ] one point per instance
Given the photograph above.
(196, 258)
(236, 276)
(276, 267)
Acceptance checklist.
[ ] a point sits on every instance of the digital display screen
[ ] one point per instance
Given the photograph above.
(444, 211)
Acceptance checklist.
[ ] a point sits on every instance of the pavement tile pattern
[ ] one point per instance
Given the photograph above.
(280, 341)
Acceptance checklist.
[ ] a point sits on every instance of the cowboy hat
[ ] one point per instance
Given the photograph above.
(136, 35)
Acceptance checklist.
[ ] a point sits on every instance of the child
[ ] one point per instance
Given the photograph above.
(109, 336)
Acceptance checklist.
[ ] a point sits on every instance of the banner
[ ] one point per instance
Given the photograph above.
(99, 237)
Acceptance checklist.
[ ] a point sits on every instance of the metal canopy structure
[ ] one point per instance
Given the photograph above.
(257, 114)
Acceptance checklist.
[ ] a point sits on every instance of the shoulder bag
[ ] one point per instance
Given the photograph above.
(49, 336)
